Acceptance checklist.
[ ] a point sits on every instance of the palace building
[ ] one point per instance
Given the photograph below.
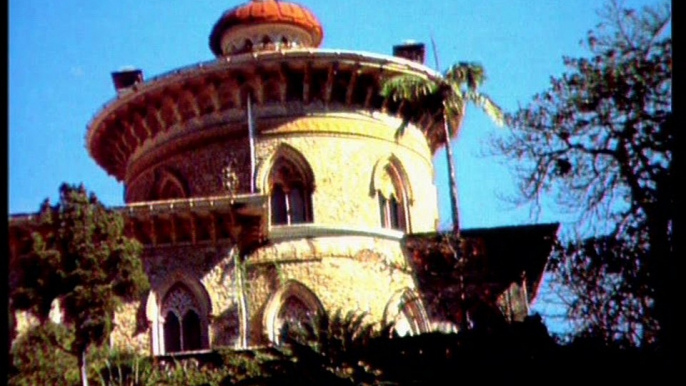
(272, 184)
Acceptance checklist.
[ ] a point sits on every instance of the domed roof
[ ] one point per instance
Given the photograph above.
(266, 12)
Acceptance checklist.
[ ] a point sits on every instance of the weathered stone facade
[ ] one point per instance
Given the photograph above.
(244, 233)
(275, 184)
(345, 257)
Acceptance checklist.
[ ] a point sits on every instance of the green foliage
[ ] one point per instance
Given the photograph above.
(81, 258)
(187, 373)
(449, 94)
(600, 142)
(349, 352)
(332, 351)
(113, 367)
(344, 351)
(238, 366)
(41, 357)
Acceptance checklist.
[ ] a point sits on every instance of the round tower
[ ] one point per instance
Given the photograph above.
(300, 147)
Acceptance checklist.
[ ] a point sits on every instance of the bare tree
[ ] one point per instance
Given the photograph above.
(600, 142)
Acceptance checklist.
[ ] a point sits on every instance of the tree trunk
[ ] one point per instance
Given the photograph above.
(464, 324)
(451, 179)
(83, 367)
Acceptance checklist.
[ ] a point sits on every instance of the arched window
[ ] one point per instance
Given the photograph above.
(191, 331)
(392, 201)
(169, 190)
(184, 329)
(407, 314)
(294, 316)
(290, 193)
(292, 307)
(168, 186)
(172, 332)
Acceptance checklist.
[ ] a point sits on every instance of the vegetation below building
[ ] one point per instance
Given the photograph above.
(343, 351)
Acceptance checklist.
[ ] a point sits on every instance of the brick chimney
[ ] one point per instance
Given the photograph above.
(125, 80)
(410, 50)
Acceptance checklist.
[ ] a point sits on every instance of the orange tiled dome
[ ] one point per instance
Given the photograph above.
(266, 12)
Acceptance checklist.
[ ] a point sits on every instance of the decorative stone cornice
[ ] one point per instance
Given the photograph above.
(301, 231)
(187, 99)
(210, 220)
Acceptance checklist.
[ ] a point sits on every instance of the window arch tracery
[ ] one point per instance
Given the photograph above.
(292, 306)
(290, 191)
(185, 322)
(390, 186)
(168, 186)
(406, 313)
(294, 315)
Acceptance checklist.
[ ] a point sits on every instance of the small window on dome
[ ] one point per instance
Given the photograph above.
(266, 40)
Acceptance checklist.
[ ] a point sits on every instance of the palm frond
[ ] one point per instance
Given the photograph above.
(407, 87)
(487, 105)
(466, 73)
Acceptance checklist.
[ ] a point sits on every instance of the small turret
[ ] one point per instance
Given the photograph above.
(265, 25)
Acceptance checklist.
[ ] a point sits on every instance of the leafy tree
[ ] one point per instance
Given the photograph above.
(39, 357)
(600, 142)
(332, 351)
(81, 259)
(450, 95)
(451, 289)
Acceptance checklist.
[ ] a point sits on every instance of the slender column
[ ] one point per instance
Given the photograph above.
(350, 92)
(330, 80)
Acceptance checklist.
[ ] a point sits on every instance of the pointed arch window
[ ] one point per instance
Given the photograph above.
(172, 332)
(392, 201)
(191, 331)
(292, 307)
(168, 186)
(406, 313)
(294, 316)
(184, 327)
(169, 190)
(290, 193)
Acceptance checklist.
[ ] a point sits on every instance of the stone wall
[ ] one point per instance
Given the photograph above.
(343, 151)
(347, 273)
(345, 257)
(200, 170)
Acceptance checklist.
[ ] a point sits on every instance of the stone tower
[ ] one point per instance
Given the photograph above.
(268, 185)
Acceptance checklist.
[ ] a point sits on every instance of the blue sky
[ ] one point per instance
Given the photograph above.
(61, 54)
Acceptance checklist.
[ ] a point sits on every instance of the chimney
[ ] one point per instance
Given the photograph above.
(410, 50)
(125, 79)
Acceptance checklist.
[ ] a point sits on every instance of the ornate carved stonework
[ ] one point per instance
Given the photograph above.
(179, 300)
(230, 179)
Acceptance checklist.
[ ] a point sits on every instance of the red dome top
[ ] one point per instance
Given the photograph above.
(266, 12)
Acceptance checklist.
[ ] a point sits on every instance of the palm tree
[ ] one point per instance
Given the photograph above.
(448, 95)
